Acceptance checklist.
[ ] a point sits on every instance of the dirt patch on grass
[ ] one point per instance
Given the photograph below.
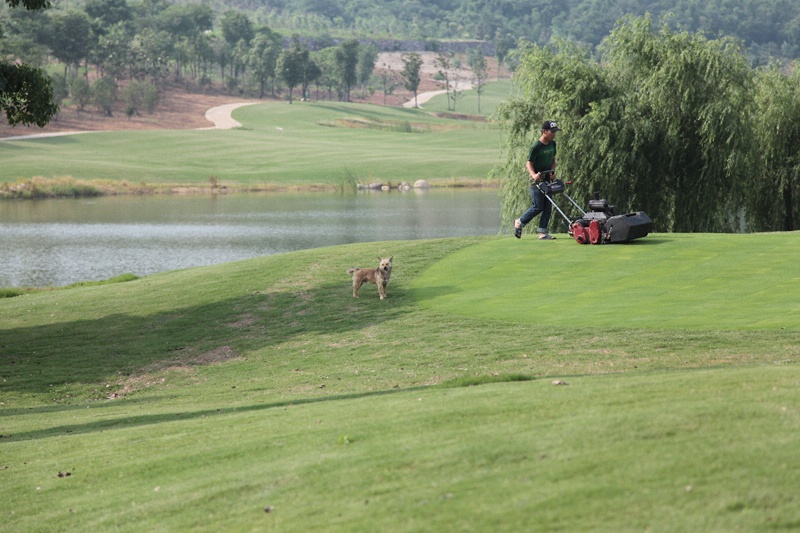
(244, 322)
(157, 373)
(219, 355)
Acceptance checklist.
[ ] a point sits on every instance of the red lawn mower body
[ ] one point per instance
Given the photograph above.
(600, 224)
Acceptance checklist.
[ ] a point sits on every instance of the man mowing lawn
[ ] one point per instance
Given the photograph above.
(541, 158)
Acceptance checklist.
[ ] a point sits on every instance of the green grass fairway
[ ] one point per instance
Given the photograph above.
(665, 452)
(664, 281)
(494, 93)
(298, 144)
(260, 396)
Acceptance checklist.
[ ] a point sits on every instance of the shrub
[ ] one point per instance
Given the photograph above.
(80, 91)
(150, 98)
(104, 95)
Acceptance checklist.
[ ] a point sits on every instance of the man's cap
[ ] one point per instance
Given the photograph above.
(550, 126)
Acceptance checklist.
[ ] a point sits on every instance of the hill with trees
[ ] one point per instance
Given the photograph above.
(767, 27)
(130, 49)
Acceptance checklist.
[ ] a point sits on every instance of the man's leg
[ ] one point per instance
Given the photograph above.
(544, 220)
(528, 215)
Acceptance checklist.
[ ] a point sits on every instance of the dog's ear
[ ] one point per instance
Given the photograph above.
(391, 258)
(380, 259)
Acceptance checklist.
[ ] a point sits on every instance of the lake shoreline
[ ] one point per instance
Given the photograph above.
(41, 188)
(55, 242)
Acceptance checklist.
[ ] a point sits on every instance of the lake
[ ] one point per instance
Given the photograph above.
(62, 241)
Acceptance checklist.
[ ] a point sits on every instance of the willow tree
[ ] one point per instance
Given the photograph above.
(688, 102)
(560, 83)
(662, 124)
(774, 199)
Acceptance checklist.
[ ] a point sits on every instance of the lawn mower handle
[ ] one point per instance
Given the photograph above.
(553, 171)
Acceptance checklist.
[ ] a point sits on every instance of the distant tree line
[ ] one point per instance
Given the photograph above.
(112, 49)
(133, 47)
(767, 27)
(669, 122)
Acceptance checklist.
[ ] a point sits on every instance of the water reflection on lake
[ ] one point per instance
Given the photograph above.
(57, 242)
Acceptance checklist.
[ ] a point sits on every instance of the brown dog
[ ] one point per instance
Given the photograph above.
(379, 276)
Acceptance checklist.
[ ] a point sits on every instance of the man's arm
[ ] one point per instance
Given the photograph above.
(534, 175)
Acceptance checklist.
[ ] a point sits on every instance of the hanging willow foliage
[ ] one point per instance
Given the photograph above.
(774, 202)
(661, 124)
(558, 84)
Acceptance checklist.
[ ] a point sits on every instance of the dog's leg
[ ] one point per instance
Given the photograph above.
(354, 272)
(358, 281)
(382, 289)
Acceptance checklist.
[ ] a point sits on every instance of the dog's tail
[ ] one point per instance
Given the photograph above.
(351, 271)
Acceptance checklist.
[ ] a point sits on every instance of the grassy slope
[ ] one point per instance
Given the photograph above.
(493, 94)
(278, 144)
(263, 383)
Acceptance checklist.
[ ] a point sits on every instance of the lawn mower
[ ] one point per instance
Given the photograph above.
(601, 224)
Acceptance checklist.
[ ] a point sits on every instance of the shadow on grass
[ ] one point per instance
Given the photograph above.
(66, 138)
(147, 420)
(80, 407)
(55, 358)
(643, 241)
(646, 241)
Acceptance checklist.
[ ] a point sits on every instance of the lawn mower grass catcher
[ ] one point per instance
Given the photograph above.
(601, 224)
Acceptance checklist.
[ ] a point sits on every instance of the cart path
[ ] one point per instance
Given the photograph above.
(423, 98)
(221, 117)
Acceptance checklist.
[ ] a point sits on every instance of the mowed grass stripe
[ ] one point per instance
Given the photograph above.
(671, 281)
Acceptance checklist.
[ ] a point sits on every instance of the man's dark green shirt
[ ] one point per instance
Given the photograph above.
(542, 155)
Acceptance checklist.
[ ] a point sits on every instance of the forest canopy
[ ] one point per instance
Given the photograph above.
(767, 27)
